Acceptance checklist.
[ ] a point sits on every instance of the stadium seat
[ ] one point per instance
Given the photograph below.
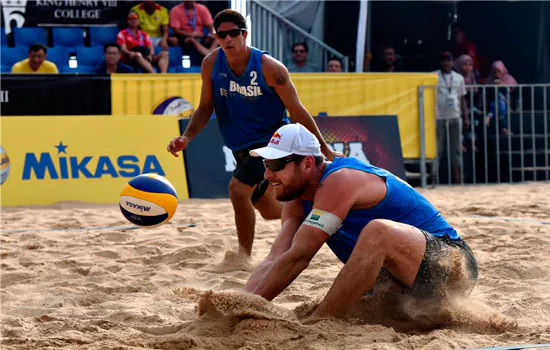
(192, 69)
(5, 69)
(26, 36)
(3, 37)
(90, 56)
(82, 69)
(11, 55)
(175, 56)
(100, 36)
(59, 55)
(68, 37)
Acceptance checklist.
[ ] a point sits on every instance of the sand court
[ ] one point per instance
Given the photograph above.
(78, 276)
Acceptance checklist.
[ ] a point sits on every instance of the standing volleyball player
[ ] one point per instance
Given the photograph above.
(250, 92)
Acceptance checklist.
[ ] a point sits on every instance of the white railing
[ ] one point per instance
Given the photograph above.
(505, 144)
(273, 33)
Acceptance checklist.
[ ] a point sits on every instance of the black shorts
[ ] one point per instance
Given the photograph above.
(448, 266)
(249, 170)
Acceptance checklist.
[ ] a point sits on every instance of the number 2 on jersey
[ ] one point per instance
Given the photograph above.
(254, 76)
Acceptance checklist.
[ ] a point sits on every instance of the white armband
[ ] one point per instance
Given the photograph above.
(323, 220)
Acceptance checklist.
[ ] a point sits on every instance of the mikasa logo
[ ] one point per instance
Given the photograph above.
(248, 91)
(43, 165)
(141, 208)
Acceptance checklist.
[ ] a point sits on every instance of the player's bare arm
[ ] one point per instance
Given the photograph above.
(308, 239)
(291, 218)
(277, 77)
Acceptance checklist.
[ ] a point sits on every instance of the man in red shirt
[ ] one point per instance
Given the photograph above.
(138, 49)
(192, 24)
(461, 46)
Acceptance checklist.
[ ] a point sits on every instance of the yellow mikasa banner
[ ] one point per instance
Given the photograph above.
(85, 158)
(336, 94)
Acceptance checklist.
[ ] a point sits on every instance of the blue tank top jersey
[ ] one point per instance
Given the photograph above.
(402, 204)
(248, 111)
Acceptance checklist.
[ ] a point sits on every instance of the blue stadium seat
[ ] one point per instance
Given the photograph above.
(26, 36)
(59, 55)
(90, 56)
(100, 36)
(175, 56)
(11, 55)
(68, 37)
(3, 37)
(5, 69)
(82, 69)
(192, 69)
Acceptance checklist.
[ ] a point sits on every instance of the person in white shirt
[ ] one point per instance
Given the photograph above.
(451, 106)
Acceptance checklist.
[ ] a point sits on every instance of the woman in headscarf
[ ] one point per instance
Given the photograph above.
(499, 76)
(465, 66)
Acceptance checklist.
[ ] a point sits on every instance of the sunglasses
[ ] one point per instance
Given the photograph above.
(279, 164)
(232, 33)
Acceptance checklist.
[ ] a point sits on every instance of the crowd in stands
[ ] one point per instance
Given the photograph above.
(158, 40)
(154, 40)
(464, 113)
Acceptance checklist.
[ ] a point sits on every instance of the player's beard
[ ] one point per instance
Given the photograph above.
(291, 191)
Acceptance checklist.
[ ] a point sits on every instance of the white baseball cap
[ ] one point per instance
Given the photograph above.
(289, 139)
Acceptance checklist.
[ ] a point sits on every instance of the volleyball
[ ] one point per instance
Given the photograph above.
(4, 166)
(148, 200)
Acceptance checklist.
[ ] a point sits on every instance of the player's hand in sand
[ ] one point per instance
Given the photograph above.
(177, 144)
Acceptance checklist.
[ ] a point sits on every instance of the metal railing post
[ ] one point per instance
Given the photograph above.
(423, 173)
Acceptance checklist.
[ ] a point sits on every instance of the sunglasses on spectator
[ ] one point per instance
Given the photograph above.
(133, 17)
(298, 51)
(232, 33)
(279, 164)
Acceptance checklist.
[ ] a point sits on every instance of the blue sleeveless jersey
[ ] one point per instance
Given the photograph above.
(248, 111)
(402, 204)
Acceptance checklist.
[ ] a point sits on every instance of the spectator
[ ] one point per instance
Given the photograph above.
(334, 65)
(461, 46)
(465, 66)
(499, 76)
(138, 49)
(450, 103)
(112, 54)
(36, 62)
(193, 26)
(299, 62)
(154, 20)
(390, 61)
